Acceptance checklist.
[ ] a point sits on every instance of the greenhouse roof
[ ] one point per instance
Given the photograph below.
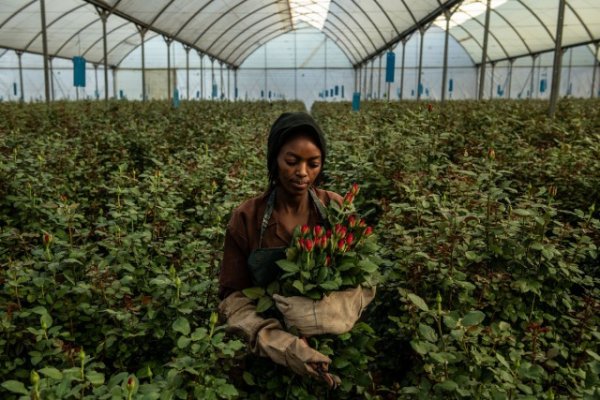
(230, 30)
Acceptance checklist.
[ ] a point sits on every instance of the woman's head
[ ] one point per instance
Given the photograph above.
(295, 141)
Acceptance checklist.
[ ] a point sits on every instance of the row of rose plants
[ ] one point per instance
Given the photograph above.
(112, 220)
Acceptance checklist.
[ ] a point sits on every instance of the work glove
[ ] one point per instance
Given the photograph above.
(267, 338)
(335, 313)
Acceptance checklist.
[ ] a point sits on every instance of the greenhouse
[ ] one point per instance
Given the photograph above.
(298, 49)
(300, 199)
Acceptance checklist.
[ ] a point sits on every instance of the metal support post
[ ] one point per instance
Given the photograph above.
(21, 92)
(96, 93)
(235, 84)
(595, 67)
(556, 67)
(371, 90)
(419, 80)
(201, 74)
(142, 32)
(445, 67)
(510, 71)
(45, 50)
(212, 79)
(484, 50)
(114, 74)
(51, 77)
(169, 88)
(104, 17)
(401, 71)
(492, 81)
(531, 83)
(187, 70)
(379, 77)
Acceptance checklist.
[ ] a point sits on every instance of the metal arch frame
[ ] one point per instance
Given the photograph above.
(387, 16)
(369, 18)
(16, 13)
(349, 53)
(190, 19)
(538, 19)
(548, 50)
(52, 23)
(101, 4)
(217, 20)
(252, 35)
(492, 35)
(240, 20)
(356, 22)
(412, 16)
(126, 23)
(77, 33)
(157, 16)
(580, 20)
(276, 32)
(425, 20)
(513, 28)
(132, 49)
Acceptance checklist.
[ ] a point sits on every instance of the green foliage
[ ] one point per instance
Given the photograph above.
(112, 219)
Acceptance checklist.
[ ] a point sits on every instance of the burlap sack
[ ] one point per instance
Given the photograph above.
(266, 337)
(335, 314)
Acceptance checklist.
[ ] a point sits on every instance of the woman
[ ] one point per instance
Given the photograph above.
(262, 227)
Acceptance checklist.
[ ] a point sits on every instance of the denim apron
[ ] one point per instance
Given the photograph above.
(262, 261)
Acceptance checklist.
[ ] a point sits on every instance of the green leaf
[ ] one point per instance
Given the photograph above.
(288, 266)
(95, 378)
(51, 372)
(264, 303)
(183, 342)
(594, 355)
(471, 255)
(427, 332)
(181, 325)
(248, 378)
(330, 285)
(417, 301)
(299, 286)
(473, 318)
(368, 266)
(254, 293)
(15, 387)
(448, 386)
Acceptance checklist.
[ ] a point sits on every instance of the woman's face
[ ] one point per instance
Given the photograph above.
(298, 164)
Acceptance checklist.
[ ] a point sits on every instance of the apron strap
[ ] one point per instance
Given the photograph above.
(271, 205)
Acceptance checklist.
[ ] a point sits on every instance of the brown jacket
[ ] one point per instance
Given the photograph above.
(242, 236)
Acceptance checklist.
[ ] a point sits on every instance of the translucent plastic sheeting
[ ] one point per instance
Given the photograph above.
(522, 27)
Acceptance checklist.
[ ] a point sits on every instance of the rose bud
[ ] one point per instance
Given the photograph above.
(368, 231)
(552, 191)
(491, 154)
(47, 239)
(130, 384)
(362, 223)
(328, 233)
(349, 198)
(341, 245)
(430, 107)
(355, 189)
(352, 221)
(308, 245)
(305, 230)
(327, 261)
(318, 230)
(350, 239)
(321, 242)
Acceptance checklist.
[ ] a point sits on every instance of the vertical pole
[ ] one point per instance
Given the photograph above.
(510, 71)
(325, 62)
(371, 90)
(221, 82)
(556, 67)
(21, 92)
(187, 70)
(359, 82)
(355, 77)
(379, 78)
(45, 49)
(168, 41)
(143, 34)
(201, 75)
(96, 94)
(531, 84)
(595, 67)
(484, 50)
(265, 97)
(445, 67)
(366, 69)
(104, 16)
(212, 77)
(569, 71)
(401, 71)
(492, 81)
(419, 81)
(295, 65)
(228, 83)
(235, 84)
(114, 73)
(51, 78)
